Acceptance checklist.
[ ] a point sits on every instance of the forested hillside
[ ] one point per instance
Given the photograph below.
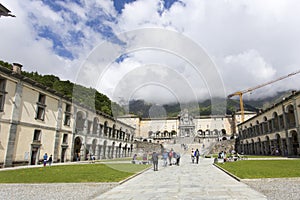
(87, 96)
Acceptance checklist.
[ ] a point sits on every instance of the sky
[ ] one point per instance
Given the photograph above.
(158, 50)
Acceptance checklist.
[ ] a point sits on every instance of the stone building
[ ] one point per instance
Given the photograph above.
(35, 120)
(274, 131)
(164, 129)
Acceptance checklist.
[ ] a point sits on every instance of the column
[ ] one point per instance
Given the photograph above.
(12, 137)
(58, 128)
(73, 133)
(96, 153)
(288, 141)
(296, 119)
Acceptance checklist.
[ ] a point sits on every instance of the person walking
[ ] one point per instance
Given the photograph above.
(50, 160)
(45, 159)
(155, 161)
(197, 155)
(165, 158)
(177, 158)
(170, 155)
(193, 156)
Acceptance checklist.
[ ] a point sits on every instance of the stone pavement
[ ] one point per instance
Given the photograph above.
(187, 181)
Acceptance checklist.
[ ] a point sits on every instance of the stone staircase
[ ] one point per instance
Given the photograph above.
(205, 146)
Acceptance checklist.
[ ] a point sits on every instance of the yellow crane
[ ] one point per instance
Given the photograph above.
(240, 93)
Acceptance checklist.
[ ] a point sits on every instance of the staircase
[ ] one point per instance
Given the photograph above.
(204, 147)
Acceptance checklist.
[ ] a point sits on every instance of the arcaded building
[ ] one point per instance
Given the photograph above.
(274, 131)
(185, 125)
(35, 120)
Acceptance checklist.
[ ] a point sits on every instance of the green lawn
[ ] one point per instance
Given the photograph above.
(71, 173)
(251, 169)
(261, 156)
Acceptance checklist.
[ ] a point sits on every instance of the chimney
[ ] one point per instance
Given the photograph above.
(17, 68)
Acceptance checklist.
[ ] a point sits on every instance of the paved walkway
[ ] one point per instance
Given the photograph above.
(187, 181)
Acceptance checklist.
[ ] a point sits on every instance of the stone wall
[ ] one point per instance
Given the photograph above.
(224, 145)
(146, 147)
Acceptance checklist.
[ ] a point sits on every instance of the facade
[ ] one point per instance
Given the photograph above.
(185, 125)
(274, 131)
(35, 120)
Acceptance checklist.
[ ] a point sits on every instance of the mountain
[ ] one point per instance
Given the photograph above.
(141, 108)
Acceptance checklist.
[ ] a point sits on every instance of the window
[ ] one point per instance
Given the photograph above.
(65, 139)
(37, 135)
(67, 120)
(2, 93)
(40, 113)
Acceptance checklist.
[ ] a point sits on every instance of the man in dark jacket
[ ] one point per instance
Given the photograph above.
(155, 161)
(197, 155)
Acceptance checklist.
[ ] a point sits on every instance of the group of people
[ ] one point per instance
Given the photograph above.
(171, 156)
(46, 159)
(195, 155)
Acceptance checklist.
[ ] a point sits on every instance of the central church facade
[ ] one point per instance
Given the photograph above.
(185, 125)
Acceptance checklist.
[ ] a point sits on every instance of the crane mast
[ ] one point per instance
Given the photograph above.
(240, 93)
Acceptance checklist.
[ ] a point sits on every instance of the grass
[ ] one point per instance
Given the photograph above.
(115, 159)
(261, 156)
(71, 173)
(251, 169)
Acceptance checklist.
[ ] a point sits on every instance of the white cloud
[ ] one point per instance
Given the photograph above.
(251, 42)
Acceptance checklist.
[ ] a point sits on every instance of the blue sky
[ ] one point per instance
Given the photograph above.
(259, 37)
(97, 20)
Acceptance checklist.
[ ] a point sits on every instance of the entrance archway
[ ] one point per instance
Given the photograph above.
(295, 143)
(77, 149)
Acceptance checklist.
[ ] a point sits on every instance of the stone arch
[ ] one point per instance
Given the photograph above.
(165, 133)
(157, 134)
(80, 119)
(114, 130)
(207, 132)
(78, 143)
(290, 116)
(215, 132)
(265, 125)
(119, 150)
(105, 128)
(94, 145)
(223, 131)
(120, 133)
(173, 133)
(112, 150)
(294, 142)
(275, 121)
(252, 147)
(278, 144)
(259, 146)
(267, 146)
(95, 125)
(200, 132)
(125, 150)
(104, 149)
(150, 134)
(257, 128)
(247, 147)
(250, 131)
